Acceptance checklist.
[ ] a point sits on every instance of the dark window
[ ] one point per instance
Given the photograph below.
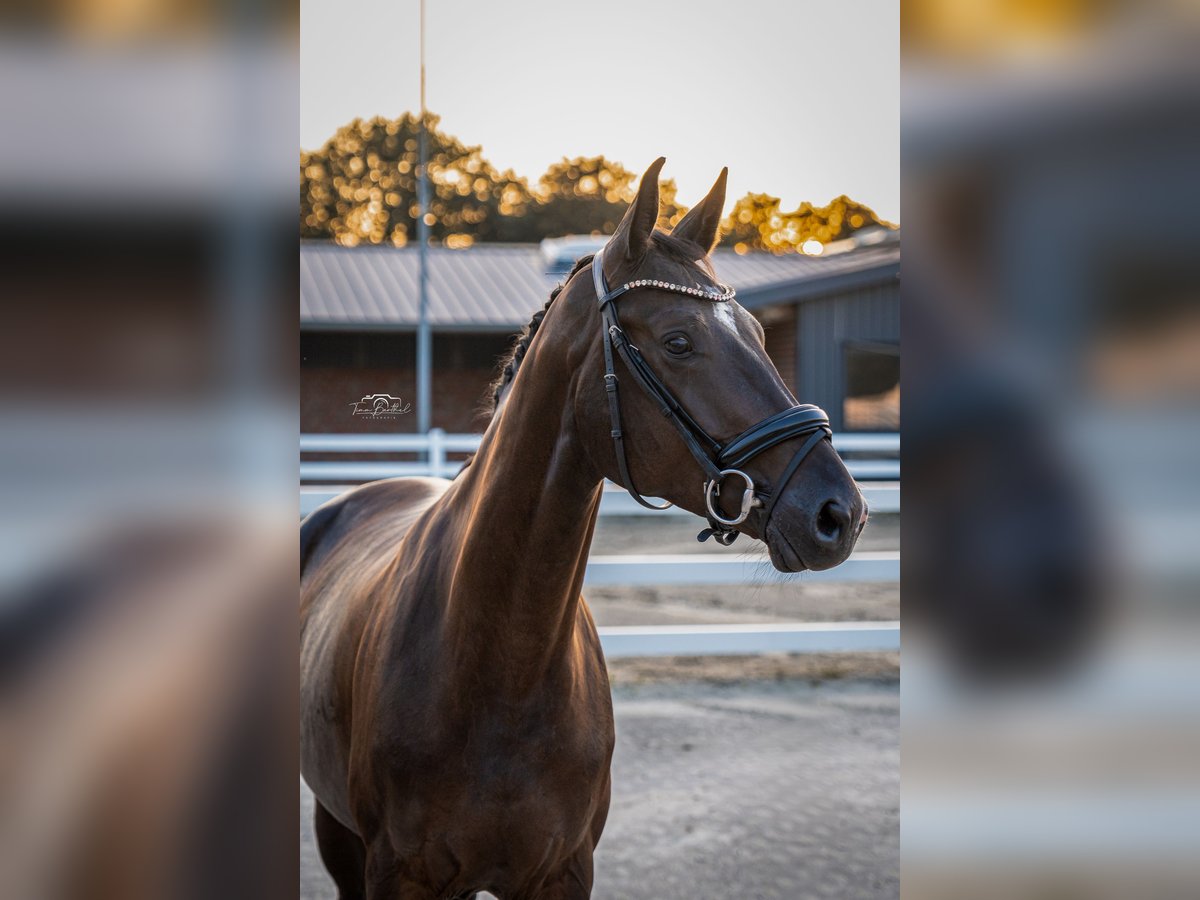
(356, 350)
(470, 351)
(872, 401)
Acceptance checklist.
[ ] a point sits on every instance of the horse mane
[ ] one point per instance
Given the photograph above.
(680, 250)
(511, 361)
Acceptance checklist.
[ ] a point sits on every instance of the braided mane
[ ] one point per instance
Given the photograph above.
(512, 361)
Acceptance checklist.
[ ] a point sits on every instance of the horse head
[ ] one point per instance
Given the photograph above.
(708, 353)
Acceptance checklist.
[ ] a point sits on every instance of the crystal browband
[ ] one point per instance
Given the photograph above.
(725, 294)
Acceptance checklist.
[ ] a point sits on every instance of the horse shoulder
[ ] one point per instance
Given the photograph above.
(396, 501)
(348, 546)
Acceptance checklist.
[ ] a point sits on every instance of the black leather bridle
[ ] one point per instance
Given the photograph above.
(719, 461)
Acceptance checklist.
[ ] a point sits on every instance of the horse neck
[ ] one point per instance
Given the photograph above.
(529, 501)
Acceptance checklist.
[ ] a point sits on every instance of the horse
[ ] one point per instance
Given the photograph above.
(456, 717)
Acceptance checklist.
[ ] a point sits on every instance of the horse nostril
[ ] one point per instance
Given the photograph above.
(833, 521)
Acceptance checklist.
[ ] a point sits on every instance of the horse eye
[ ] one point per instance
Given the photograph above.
(678, 344)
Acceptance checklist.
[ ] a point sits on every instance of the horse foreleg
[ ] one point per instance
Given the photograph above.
(392, 878)
(343, 853)
(573, 883)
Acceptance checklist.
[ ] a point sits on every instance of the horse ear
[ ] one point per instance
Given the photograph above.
(703, 220)
(633, 234)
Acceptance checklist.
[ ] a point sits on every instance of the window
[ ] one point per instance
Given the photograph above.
(872, 401)
(397, 350)
(356, 350)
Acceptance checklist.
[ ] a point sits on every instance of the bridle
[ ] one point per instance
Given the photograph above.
(719, 461)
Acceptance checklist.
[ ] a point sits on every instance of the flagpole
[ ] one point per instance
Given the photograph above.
(424, 338)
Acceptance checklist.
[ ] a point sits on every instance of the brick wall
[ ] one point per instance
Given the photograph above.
(328, 392)
(327, 395)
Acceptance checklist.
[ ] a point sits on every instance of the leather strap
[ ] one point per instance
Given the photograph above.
(792, 466)
(667, 404)
(712, 457)
(783, 426)
(610, 386)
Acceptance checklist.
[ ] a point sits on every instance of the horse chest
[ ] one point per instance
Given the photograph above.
(530, 783)
(529, 804)
(558, 760)
(554, 742)
(514, 761)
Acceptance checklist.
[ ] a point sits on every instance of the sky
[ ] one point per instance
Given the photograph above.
(799, 99)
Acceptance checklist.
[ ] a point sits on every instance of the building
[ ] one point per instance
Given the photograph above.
(832, 325)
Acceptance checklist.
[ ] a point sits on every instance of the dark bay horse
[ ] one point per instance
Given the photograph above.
(456, 720)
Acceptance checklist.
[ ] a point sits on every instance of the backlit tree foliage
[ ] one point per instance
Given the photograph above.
(361, 187)
(757, 223)
(589, 195)
(584, 195)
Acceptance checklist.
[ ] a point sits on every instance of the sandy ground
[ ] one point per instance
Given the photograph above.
(753, 790)
(728, 670)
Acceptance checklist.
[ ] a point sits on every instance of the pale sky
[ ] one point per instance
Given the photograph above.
(799, 99)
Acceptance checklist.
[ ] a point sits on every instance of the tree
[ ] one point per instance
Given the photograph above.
(589, 195)
(756, 223)
(362, 187)
(752, 223)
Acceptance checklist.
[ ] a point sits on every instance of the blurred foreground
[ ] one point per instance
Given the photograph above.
(1051, 745)
(147, 447)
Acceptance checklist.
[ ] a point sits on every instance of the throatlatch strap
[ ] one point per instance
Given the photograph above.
(667, 404)
(618, 436)
(610, 387)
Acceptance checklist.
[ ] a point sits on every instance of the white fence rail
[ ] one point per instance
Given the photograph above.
(684, 569)
(846, 442)
(739, 640)
(880, 486)
(881, 496)
(367, 470)
(438, 445)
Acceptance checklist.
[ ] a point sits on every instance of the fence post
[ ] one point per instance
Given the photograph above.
(437, 453)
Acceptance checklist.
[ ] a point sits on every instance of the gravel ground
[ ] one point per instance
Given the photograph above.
(752, 790)
(812, 667)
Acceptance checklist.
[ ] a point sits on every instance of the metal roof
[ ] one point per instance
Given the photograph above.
(499, 286)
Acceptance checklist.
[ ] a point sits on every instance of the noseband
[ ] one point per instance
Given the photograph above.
(719, 461)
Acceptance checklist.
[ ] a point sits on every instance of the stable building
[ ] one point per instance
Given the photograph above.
(832, 326)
